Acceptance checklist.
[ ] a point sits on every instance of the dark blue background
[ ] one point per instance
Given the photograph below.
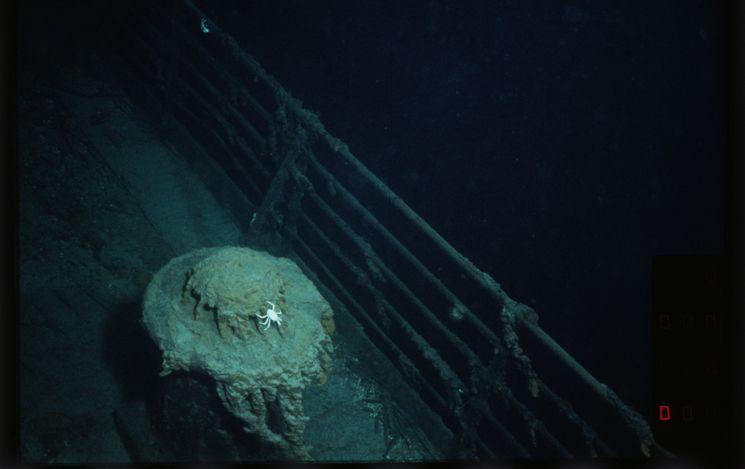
(559, 145)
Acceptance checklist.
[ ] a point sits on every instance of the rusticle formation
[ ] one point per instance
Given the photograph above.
(204, 308)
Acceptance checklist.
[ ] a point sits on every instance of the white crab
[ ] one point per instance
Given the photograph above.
(272, 315)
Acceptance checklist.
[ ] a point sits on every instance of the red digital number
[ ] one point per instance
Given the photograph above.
(664, 413)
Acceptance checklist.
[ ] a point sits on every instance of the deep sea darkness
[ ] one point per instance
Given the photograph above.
(559, 145)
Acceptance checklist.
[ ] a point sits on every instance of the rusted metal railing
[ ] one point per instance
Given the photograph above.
(460, 343)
